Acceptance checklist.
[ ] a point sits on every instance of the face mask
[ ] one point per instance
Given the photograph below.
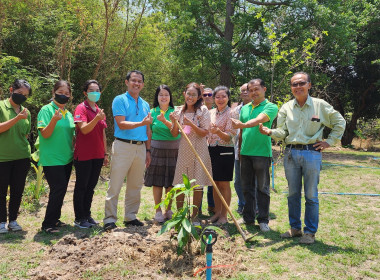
(61, 99)
(93, 96)
(18, 98)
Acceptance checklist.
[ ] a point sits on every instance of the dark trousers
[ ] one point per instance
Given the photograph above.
(58, 177)
(255, 182)
(87, 175)
(13, 174)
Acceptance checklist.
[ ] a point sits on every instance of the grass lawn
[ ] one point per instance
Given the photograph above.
(347, 242)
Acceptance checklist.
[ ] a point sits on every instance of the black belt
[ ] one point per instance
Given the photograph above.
(130, 141)
(302, 147)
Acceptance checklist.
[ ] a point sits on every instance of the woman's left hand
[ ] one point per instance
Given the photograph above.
(161, 117)
(214, 129)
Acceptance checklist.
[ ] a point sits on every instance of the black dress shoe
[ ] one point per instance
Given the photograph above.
(134, 222)
(109, 226)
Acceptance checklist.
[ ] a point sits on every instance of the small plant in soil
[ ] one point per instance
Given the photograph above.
(185, 231)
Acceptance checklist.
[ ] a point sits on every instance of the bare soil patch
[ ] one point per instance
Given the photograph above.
(139, 253)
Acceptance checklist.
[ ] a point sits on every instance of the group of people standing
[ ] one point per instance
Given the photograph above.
(148, 150)
(58, 150)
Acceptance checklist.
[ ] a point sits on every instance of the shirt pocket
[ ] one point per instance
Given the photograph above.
(312, 127)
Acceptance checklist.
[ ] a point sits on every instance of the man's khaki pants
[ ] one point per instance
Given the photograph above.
(128, 160)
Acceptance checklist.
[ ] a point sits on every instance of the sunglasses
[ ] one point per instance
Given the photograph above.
(301, 84)
(207, 94)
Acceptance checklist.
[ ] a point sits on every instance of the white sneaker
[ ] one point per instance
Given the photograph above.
(264, 227)
(3, 228)
(14, 226)
(159, 218)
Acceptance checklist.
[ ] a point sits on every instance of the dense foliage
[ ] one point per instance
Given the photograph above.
(210, 42)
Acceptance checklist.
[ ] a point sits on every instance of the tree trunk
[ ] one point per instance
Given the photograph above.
(349, 133)
(226, 60)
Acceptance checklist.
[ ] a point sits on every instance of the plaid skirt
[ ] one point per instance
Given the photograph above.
(161, 170)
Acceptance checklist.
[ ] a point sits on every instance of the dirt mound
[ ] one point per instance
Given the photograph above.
(133, 253)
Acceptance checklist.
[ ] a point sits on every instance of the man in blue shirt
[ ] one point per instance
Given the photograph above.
(130, 151)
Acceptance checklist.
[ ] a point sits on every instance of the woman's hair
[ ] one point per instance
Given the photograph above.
(19, 83)
(89, 82)
(155, 102)
(61, 83)
(199, 102)
(219, 88)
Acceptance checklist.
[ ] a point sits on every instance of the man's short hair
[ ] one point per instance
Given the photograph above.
(303, 73)
(253, 81)
(246, 86)
(134, 71)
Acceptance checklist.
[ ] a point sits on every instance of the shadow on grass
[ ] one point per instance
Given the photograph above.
(51, 238)
(13, 237)
(317, 247)
(261, 239)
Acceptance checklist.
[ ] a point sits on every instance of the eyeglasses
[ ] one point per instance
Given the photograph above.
(191, 95)
(207, 94)
(301, 84)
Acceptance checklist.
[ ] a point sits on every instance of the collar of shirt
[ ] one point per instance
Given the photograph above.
(87, 105)
(161, 111)
(308, 102)
(130, 97)
(223, 111)
(9, 105)
(265, 101)
(63, 112)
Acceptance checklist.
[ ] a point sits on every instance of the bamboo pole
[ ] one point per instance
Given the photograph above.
(214, 185)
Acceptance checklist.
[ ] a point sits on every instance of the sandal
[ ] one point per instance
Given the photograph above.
(50, 230)
(60, 224)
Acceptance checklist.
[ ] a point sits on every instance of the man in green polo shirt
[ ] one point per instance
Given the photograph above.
(256, 154)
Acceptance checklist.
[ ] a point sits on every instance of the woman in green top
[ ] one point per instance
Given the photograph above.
(56, 133)
(14, 152)
(160, 172)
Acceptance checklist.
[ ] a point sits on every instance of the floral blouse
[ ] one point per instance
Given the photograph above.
(223, 121)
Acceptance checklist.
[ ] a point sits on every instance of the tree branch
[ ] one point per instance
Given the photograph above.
(216, 28)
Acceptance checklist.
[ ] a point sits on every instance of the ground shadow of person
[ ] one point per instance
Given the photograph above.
(51, 238)
(13, 237)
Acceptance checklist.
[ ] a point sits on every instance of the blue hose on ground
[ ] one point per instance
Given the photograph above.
(340, 193)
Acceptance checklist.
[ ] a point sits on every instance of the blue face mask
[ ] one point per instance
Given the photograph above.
(93, 96)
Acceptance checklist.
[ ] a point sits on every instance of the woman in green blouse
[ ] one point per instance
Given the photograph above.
(160, 172)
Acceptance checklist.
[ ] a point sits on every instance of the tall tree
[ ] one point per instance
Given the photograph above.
(207, 28)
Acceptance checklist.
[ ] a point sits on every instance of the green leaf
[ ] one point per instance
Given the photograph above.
(186, 181)
(194, 231)
(186, 225)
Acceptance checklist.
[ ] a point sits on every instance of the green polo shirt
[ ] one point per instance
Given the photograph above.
(58, 148)
(14, 144)
(159, 130)
(253, 142)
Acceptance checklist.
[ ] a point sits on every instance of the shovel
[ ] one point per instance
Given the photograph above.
(246, 239)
